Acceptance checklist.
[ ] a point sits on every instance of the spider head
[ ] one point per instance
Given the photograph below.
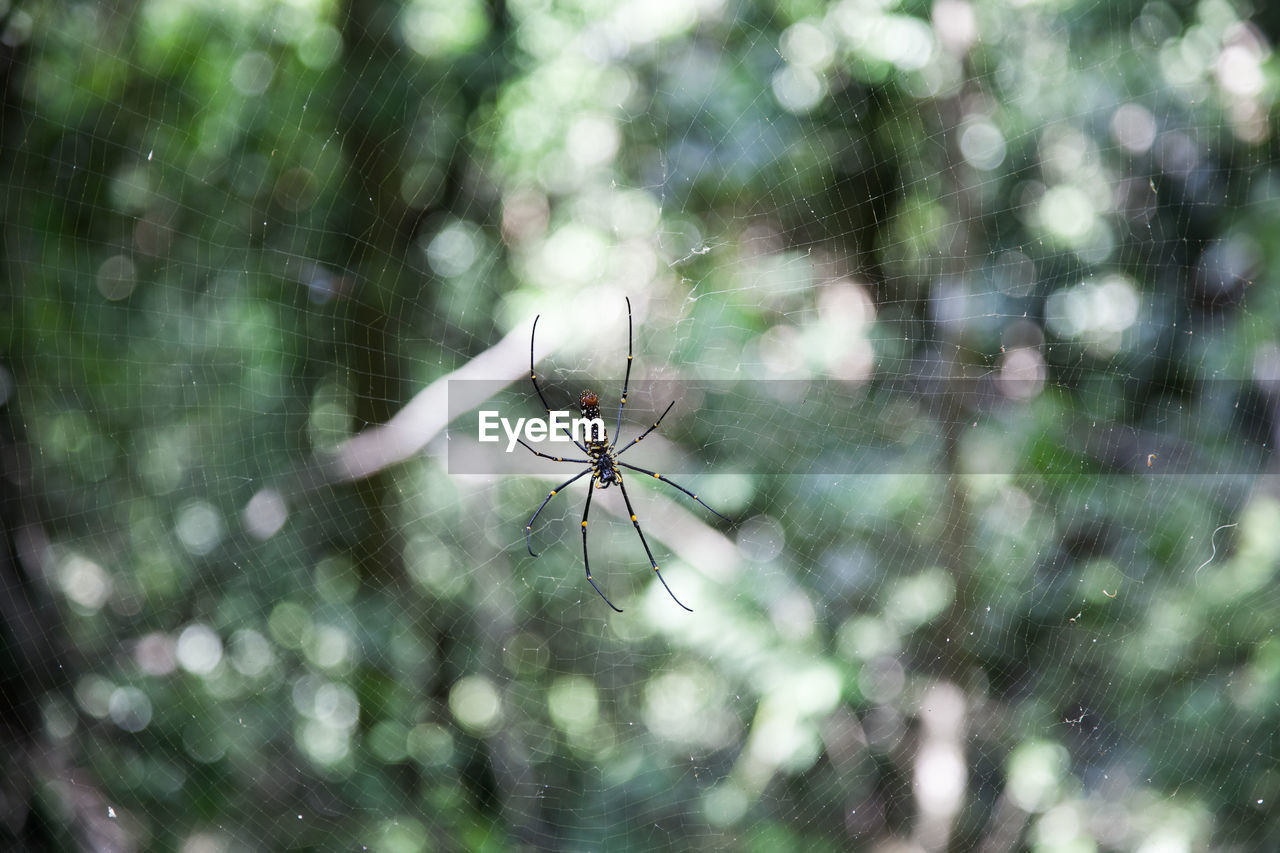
(590, 404)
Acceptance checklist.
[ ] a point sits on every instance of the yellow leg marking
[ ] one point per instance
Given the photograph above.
(584, 524)
(633, 518)
(657, 476)
(552, 495)
(655, 568)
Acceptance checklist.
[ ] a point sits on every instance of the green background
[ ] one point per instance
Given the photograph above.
(1002, 569)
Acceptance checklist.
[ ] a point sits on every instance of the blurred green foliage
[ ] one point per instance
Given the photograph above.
(1003, 573)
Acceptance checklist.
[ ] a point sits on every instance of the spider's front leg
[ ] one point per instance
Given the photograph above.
(652, 562)
(528, 528)
(586, 561)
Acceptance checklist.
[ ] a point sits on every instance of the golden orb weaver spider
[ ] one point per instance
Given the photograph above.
(603, 465)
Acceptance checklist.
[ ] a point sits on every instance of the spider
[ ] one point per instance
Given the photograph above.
(603, 464)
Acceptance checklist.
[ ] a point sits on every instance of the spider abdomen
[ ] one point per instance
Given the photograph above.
(597, 438)
(589, 403)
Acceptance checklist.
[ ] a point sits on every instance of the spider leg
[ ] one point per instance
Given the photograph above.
(533, 377)
(658, 476)
(528, 528)
(553, 458)
(626, 380)
(585, 561)
(633, 442)
(652, 562)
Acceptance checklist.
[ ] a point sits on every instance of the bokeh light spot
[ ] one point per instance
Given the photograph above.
(199, 649)
(475, 703)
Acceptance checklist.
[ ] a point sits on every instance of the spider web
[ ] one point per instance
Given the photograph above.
(965, 311)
